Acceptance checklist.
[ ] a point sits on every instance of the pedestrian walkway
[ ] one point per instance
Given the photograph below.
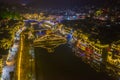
(10, 61)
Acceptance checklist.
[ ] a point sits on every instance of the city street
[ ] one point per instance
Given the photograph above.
(26, 62)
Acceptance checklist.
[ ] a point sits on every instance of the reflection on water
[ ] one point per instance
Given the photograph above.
(50, 50)
(63, 65)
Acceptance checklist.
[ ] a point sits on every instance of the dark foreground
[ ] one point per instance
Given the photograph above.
(63, 65)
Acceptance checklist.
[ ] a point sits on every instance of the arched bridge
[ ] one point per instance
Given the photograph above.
(49, 42)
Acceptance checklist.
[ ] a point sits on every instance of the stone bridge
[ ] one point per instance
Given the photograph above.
(49, 42)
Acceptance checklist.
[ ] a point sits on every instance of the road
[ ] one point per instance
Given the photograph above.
(63, 65)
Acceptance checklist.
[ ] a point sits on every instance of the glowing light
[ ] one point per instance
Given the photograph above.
(20, 58)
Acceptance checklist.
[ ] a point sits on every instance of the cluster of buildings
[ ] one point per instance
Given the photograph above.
(100, 57)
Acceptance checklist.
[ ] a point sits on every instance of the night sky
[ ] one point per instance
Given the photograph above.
(56, 2)
(52, 1)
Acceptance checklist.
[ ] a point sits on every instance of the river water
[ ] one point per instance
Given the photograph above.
(63, 65)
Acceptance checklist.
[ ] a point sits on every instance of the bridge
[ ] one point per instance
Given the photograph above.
(49, 41)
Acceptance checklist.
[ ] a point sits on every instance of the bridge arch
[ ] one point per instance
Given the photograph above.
(49, 42)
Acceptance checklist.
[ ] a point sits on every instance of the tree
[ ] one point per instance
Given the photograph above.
(5, 43)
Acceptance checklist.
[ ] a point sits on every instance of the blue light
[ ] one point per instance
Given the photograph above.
(74, 16)
(68, 18)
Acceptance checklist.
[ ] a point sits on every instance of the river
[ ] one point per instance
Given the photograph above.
(63, 65)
